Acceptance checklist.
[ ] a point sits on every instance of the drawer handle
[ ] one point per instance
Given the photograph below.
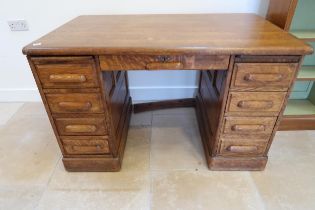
(75, 106)
(263, 77)
(173, 65)
(80, 128)
(248, 128)
(67, 78)
(91, 147)
(240, 149)
(252, 104)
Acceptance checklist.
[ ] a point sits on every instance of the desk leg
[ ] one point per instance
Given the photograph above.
(238, 120)
(210, 110)
(107, 163)
(117, 108)
(89, 110)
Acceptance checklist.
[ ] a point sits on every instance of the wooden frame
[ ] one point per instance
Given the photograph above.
(281, 12)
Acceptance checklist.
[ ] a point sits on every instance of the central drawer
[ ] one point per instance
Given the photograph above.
(160, 62)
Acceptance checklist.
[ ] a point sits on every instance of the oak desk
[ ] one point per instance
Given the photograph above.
(247, 69)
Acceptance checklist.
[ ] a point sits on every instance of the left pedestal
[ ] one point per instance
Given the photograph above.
(89, 110)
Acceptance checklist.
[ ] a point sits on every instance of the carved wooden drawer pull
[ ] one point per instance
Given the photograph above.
(75, 106)
(263, 77)
(254, 104)
(67, 78)
(248, 128)
(171, 65)
(87, 148)
(241, 149)
(80, 128)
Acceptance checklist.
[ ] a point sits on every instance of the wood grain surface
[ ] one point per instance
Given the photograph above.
(156, 34)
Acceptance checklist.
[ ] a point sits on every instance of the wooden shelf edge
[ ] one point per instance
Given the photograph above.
(297, 122)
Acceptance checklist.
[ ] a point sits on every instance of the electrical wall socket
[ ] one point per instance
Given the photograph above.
(18, 25)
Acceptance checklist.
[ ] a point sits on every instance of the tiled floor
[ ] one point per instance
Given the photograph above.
(163, 168)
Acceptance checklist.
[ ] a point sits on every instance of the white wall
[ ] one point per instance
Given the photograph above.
(16, 81)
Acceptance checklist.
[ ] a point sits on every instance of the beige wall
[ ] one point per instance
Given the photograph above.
(16, 81)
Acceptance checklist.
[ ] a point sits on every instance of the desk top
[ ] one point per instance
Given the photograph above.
(155, 34)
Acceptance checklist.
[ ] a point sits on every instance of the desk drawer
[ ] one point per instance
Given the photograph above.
(157, 62)
(85, 145)
(260, 103)
(242, 148)
(265, 76)
(249, 125)
(81, 126)
(75, 103)
(66, 72)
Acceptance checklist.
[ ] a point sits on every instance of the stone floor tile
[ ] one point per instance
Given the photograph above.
(7, 110)
(95, 199)
(141, 119)
(32, 109)
(22, 198)
(204, 190)
(288, 180)
(176, 143)
(31, 162)
(28, 151)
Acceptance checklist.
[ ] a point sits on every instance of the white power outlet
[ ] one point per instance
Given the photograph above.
(18, 25)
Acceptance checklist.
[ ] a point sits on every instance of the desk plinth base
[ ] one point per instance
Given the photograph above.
(104, 164)
(92, 164)
(237, 163)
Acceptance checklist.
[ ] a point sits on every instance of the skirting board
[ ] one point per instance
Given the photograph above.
(137, 94)
(161, 93)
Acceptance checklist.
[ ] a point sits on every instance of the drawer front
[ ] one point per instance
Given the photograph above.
(86, 145)
(81, 126)
(154, 62)
(75, 103)
(249, 125)
(66, 72)
(242, 148)
(256, 102)
(269, 76)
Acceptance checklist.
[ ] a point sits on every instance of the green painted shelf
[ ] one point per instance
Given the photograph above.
(306, 35)
(306, 73)
(299, 107)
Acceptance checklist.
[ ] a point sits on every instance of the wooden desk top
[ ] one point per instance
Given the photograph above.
(154, 34)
